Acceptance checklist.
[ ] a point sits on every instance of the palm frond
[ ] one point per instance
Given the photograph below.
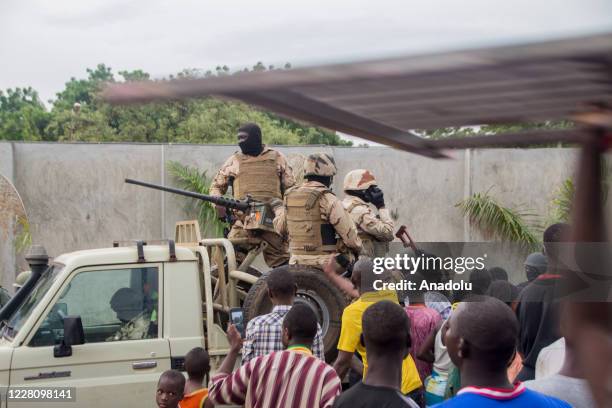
(563, 201)
(190, 178)
(23, 240)
(495, 220)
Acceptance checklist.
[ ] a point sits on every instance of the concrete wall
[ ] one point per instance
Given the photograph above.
(7, 249)
(76, 198)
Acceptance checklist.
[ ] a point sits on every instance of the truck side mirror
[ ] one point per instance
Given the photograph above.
(73, 335)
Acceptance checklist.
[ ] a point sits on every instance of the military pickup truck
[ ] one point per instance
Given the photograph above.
(62, 330)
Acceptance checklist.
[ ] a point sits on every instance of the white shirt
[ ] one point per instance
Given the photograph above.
(550, 360)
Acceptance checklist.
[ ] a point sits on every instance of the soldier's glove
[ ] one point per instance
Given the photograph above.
(375, 196)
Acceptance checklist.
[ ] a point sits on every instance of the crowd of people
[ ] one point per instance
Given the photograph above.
(501, 345)
(498, 344)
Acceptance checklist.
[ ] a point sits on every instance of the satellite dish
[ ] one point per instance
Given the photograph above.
(14, 232)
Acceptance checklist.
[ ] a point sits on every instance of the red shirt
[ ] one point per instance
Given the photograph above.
(423, 321)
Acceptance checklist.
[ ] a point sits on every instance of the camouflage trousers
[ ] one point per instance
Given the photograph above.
(275, 254)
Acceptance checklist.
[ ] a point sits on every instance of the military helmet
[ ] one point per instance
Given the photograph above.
(359, 179)
(21, 279)
(127, 303)
(320, 164)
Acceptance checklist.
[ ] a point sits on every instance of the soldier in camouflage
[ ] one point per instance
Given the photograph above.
(312, 217)
(129, 306)
(375, 230)
(262, 173)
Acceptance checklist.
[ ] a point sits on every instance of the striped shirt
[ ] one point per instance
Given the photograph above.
(284, 379)
(264, 335)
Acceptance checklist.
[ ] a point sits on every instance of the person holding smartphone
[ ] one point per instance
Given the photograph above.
(264, 333)
(291, 378)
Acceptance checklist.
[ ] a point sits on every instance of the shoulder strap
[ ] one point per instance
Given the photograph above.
(314, 198)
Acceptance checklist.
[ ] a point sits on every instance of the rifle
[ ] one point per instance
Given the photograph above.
(259, 216)
(404, 236)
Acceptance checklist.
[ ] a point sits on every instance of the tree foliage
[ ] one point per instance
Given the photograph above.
(22, 115)
(484, 130)
(208, 120)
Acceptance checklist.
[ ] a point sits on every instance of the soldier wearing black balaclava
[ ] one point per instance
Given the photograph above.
(263, 174)
(249, 139)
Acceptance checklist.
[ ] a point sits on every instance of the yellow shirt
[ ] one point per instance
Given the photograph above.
(350, 334)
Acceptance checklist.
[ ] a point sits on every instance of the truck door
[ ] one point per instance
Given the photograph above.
(124, 351)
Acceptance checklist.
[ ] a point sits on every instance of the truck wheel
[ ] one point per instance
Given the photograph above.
(315, 291)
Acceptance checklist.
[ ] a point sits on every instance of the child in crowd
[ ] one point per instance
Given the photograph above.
(434, 351)
(481, 338)
(170, 389)
(197, 365)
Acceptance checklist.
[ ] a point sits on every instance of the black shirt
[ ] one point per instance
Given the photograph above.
(368, 396)
(538, 316)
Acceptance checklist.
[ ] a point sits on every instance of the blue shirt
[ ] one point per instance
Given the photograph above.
(519, 397)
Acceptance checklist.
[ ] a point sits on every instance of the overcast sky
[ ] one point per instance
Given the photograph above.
(45, 42)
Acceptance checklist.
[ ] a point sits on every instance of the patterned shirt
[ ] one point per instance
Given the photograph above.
(264, 334)
(423, 321)
(283, 379)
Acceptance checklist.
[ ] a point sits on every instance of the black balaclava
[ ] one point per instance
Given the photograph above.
(372, 194)
(251, 144)
(358, 193)
(325, 180)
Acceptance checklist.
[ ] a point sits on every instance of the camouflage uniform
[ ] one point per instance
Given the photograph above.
(135, 329)
(281, 180)
(306, 245)
(375, 231)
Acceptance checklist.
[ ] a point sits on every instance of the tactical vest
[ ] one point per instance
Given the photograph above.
(308, 233)
(258, 177)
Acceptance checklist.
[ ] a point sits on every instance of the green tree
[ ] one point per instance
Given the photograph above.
(85, 126)
(22, 115)
(483, 130)
(83, 91)
(205, 120)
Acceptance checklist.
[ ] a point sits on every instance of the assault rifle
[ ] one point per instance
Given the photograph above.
(259, 216)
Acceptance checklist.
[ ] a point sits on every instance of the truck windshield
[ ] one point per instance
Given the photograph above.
(17, 320)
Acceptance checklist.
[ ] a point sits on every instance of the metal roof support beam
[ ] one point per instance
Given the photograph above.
(298, 106)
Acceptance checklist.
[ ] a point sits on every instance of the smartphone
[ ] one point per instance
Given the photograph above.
(236, 315)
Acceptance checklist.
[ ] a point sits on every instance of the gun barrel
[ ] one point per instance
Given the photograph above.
(222, 201)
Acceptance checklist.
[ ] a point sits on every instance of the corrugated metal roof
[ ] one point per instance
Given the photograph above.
(384, 100)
